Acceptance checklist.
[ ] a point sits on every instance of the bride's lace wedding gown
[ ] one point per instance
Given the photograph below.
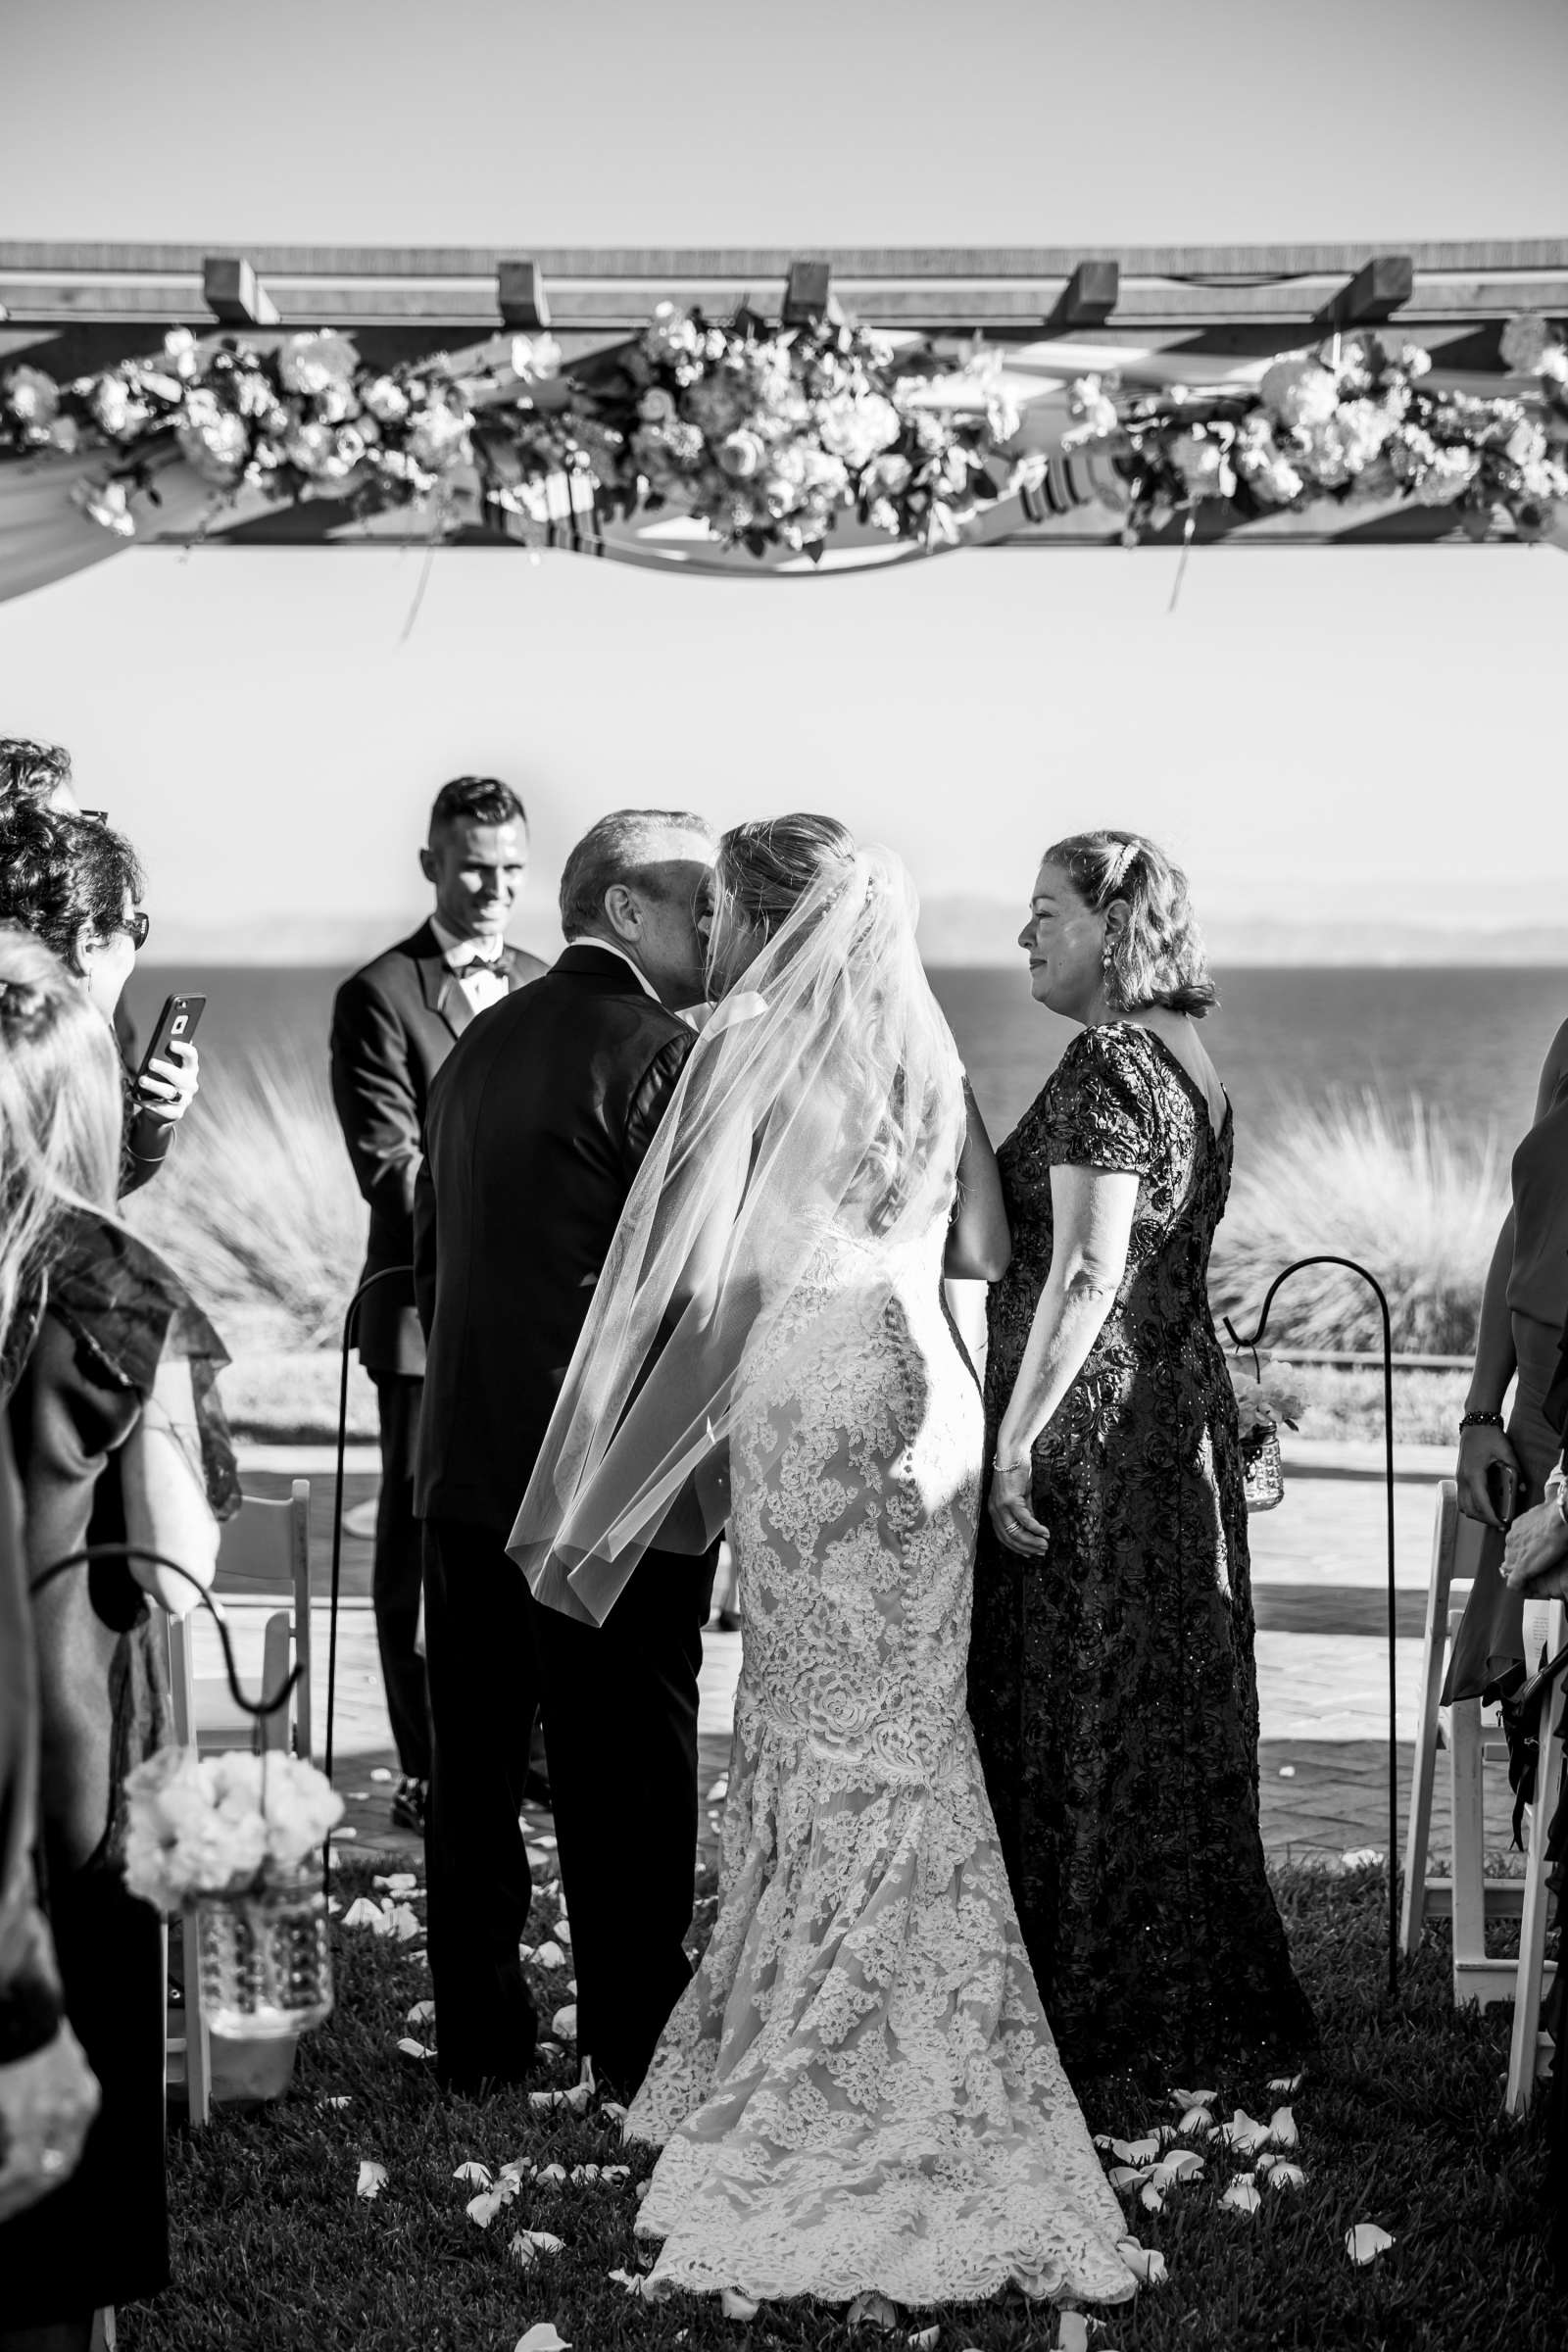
(859, 2089)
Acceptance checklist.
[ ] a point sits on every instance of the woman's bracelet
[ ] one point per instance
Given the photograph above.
(1482, 1421)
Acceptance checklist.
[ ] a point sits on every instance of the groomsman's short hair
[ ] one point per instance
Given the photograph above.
(476, 801)
(618, 848)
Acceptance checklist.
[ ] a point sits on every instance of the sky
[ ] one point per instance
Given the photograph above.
(1369, 735)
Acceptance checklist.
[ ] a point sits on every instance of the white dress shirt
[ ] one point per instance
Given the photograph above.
(475, 964)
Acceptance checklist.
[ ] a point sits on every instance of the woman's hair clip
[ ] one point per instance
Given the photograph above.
(1117, 871)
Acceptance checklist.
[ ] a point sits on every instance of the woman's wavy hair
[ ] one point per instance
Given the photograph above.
(60, 1110)
(1157, 955)
(60, 872)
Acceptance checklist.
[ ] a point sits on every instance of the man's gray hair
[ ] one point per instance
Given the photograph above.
(620, 847)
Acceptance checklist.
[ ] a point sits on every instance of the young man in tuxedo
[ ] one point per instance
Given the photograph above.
(536, 1130)
(393, 1025)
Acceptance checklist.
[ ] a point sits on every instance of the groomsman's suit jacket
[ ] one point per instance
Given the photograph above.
(393, 1025)
(536, 1130)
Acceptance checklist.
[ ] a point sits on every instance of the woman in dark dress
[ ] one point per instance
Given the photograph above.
(1111, 1676)
(93, 1325)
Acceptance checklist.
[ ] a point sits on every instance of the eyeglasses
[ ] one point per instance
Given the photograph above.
(136, 927)
(93, 816)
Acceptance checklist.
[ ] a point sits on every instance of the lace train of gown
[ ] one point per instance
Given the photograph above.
(859, 2089)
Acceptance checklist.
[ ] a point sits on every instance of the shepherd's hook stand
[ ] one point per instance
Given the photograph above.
(256, 1708)
(350, 1320)
(1372, 1281)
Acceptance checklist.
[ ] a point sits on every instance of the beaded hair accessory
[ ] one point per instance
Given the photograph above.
(21, 1005)
(1126, 852)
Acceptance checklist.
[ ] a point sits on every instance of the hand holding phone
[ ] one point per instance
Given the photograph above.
(1503, 1491)
(166, 1081)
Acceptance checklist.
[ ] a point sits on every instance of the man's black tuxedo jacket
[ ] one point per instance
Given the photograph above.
(535, 1131)
(393, 1025)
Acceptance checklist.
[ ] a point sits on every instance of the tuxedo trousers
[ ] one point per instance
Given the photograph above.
(619, 1708)
(395, 1577)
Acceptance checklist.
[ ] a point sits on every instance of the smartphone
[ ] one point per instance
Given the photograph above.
(175, 1026)
(1502, 1490)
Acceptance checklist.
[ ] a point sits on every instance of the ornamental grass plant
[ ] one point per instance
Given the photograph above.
(274, 2244)
(257, 1206)
(1405, 1191)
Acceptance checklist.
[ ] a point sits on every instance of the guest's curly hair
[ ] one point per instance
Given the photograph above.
(1158, 957)
(31, 771)
(58, 873)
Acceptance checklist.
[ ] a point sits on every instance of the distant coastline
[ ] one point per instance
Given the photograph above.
(954, 934)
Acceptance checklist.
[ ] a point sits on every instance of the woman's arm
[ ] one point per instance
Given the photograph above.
(1091, 1210)
(979, 1242)
(1494, 1367)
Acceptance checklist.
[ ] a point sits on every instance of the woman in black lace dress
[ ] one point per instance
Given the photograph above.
(1111, 1676)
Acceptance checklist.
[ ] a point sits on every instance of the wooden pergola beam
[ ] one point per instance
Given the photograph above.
(1378, 289)
(1088, 297)
(234, 294)
(520, 296)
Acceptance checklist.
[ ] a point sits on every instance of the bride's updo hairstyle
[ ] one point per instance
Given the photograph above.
(1158, 957)
(767, 866)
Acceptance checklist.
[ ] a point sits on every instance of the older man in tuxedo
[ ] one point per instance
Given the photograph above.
(537, 1127)
(393, 1025)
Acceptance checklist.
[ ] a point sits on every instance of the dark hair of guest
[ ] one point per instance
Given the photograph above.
(59, 873)
(31, 771)
(476, 801)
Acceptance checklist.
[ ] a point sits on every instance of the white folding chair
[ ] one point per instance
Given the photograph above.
(1530, 2052)
(265, 1552)
(1473, 1736)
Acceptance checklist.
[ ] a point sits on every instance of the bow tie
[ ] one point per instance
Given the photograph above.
(466, 951)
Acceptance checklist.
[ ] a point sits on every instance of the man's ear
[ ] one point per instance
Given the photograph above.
(621, 912)
(427, 862)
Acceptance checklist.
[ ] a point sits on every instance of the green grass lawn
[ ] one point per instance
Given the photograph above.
(1403, 2126)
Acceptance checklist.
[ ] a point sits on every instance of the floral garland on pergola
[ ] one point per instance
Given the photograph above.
(770, 435)
(1351, 421)
(773, 436)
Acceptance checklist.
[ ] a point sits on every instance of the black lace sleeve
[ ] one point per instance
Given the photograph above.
(126, 1309)
(1099, 1112)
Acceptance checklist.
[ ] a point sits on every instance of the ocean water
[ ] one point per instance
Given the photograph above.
(1467, 1040)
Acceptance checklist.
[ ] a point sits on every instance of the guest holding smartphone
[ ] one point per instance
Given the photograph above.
(1503, 1462)
(75, 884)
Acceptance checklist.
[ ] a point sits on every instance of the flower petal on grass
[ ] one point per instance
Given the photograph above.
(719, 1789)
(550, 1955)
(1150, 2198)
(1127, 2176)
(1286, 2175)
(476, 2175)
(1182, 2164)
(1198, 2121)
(363, 1913)
(926, 2340)
(1366, 2242)
(633, 2282)
(421, 2014)
(397, 1881)
(1130, 2151)
(542, 2338)
(1145, 2263)
(1193, 2099)
(871, 2310)
(615, 2110)
(403, 1925)
(380, 1772)
(1361, 1857)
(551, 2172)
(484, 2208)
(1287, 2082)
(338, 2098)
(1245, 2133)
(1242, 2196)
(371, 2179)
(564, 2021)
(1072, 2334)
(736, 2306)
(412, 2049)
(1282, 2128)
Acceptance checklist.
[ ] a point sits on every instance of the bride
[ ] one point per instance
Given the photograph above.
(859, 2089)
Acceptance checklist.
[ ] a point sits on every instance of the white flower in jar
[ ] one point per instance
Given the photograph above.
(216, 444)
(740, 454)
(1527, 443)
(1204, 465)
(1447, 477)
(657, 406)
(439, 436)
(32, 397)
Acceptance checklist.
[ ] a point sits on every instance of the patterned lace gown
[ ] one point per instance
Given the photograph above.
(859, 2089)
(1112, 1685)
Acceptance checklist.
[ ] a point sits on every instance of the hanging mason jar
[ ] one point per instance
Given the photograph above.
(264, 1961)
(1264, 1468)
